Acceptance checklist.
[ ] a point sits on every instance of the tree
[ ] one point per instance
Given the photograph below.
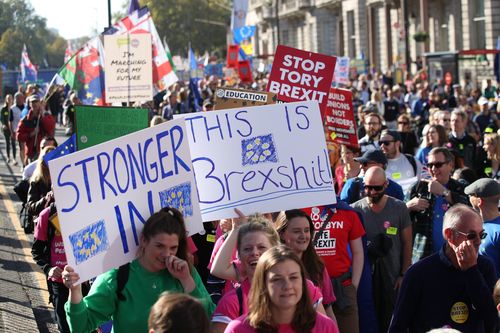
(20, 25)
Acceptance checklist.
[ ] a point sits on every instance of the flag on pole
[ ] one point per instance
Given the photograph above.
(239, 14)
(28, 70)
(192, 60)
(84, 73)
(140, 22)
(133, 6)
(68, 53)
(243, 33)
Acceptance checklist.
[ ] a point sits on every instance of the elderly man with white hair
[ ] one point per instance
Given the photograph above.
(452, 288)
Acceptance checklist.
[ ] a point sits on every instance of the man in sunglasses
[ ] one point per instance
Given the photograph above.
(353, 189)
(453, 287)
(389, 235)
(402, 168)
(484, 195)
(429, 200)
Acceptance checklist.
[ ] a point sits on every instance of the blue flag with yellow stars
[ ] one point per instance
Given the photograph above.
(66, 148)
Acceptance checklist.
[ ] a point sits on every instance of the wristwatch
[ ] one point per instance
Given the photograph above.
(445, 193)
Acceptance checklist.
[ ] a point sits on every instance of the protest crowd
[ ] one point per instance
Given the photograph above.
(409, 243)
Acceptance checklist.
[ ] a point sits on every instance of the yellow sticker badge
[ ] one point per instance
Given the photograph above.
(459, 312)
(392, 231)
(396, 175)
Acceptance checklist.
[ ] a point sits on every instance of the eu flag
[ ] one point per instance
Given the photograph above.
(66, 148)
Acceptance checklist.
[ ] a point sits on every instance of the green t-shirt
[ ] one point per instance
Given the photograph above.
(141, 291)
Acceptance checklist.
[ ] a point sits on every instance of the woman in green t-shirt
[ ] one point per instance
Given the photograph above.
(161, 265)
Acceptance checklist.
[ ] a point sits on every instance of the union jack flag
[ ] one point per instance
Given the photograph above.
(28, 70)
(139, 22)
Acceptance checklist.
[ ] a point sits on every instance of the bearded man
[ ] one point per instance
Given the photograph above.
(389, 235)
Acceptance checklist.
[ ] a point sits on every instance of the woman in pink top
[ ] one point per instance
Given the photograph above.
(252, 240)
(277, 301)
(296, 230)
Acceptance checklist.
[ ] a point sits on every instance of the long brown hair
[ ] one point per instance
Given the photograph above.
(41, 173)
(312, 262)
(259, 302)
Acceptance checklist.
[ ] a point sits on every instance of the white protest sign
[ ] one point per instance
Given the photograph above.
(341, 74)
(105, 193)
(128, 70)
(260, 159)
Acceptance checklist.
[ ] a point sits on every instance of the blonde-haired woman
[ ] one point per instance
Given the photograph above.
(40, 194)
(491, 145)
(278, 301)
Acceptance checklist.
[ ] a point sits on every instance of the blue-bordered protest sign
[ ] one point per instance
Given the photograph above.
(260, 159)
(106, 192)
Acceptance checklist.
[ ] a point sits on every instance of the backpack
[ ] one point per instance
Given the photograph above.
(413, 163)
(121, 280)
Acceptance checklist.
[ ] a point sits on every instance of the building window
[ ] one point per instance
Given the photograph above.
(351, 34)
(478, 25)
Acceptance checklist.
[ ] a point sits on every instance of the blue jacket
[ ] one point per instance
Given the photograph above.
(351, 192)
(434, 294)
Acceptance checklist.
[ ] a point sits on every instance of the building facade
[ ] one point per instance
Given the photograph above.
(381, 31)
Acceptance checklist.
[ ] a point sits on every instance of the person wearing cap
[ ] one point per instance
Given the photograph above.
(399, 166)
(208, 105)
(353, 189)
(460, 141)
(454, 286)
(373, 125)
(389, 235)
(31, 129)
(486, 118)
(484, 195)
(14, 119)
(428, 201)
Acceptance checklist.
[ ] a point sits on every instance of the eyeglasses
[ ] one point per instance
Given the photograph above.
(403, 123)
(385, 143)
(472, 235)
(372, 124)
(376, 188)
(437, 165)
(446, 120)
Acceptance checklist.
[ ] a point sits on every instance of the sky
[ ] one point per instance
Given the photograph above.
(76, 18)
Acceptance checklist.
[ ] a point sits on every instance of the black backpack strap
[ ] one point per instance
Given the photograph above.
(413, 163)
(329, 213)
(239, 293)
(121, 279)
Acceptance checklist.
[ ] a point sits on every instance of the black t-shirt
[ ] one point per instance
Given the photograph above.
(391, 110)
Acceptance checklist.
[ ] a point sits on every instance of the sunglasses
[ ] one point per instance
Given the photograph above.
(385, 143)
(437, 165)
(403, 123)
(472, 235)
(376, 188)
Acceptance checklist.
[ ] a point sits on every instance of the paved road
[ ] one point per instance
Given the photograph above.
(23, 291)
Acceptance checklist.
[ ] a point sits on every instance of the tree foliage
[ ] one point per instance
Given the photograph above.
(20, 25)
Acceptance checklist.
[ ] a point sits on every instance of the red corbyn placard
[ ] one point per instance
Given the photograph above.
(340, 125)
(299, 76)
